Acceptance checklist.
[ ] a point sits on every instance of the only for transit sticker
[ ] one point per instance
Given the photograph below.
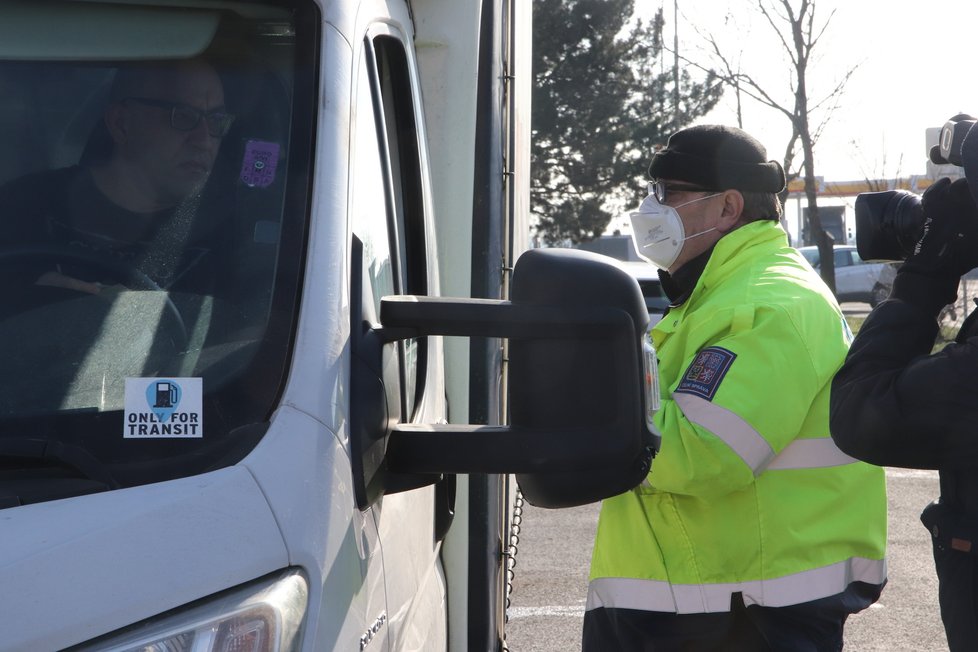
(163, 408)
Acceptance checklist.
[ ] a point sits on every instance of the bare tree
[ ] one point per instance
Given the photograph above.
(875, 173)
(798, 32)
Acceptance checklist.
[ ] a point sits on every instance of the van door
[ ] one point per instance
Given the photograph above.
(391, 216)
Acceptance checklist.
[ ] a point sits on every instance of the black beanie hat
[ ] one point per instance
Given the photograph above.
(718, 158)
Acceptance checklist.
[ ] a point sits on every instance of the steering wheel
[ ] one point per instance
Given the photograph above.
(125, 272)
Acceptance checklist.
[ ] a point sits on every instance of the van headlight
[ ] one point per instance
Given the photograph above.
(263, 616)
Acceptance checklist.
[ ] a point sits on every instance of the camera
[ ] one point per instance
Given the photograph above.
(889, 223)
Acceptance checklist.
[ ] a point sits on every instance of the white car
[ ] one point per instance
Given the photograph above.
(647, 276)
(855, 278)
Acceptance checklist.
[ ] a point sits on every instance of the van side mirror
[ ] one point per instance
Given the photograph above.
(578, 382)
(588, 393)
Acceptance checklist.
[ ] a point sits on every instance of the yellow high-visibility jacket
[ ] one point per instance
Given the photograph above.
(748, 492)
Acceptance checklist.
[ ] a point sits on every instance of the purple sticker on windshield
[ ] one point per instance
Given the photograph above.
(260, 161)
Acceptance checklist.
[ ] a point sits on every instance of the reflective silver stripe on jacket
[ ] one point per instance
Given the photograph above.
(810, 454)
(657, 595)
(751, 446)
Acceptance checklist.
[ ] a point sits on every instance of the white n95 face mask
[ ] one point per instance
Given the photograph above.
(658, 231)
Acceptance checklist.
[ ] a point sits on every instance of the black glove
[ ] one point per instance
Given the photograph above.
(947, 248)
(948, 245)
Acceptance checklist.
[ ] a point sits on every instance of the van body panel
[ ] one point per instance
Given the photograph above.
(77, 568)
(304, 473)
(316, 381)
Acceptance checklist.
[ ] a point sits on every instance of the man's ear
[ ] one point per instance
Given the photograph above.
(116, 118)
(733, 211)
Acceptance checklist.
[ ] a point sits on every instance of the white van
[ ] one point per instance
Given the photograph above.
(245, 422)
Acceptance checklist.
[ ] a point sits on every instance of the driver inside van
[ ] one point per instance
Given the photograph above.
(133, 197)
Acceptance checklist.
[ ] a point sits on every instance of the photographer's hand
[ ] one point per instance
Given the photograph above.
(947, 249)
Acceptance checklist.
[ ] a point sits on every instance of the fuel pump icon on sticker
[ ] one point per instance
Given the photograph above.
(167, 394)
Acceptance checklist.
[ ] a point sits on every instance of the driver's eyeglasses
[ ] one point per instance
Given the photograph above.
(661, 189)
(186, 118)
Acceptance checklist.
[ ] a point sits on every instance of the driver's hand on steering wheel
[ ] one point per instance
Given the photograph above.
(59, 280)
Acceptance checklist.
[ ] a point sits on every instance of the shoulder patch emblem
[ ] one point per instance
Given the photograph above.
(704, 374)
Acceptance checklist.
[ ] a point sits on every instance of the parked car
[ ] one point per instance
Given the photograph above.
(647, 276)
(855, 278)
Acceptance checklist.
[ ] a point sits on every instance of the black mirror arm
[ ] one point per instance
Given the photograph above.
(406, 316)
(414, 448)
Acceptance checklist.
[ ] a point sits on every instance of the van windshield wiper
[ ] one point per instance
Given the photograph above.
(35, 470)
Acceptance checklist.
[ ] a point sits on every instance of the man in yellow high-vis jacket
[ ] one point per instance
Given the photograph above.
(753, 531)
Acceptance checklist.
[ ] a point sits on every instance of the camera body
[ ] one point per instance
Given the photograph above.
(889, 223)
(950, 144)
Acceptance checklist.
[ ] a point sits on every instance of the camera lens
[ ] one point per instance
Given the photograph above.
(888, 224)
(906, 220)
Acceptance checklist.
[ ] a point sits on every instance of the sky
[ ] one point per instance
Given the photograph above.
(913, 72)
(915, 68)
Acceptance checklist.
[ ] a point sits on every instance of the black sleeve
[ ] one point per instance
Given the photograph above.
(894, 403)
(28, 203)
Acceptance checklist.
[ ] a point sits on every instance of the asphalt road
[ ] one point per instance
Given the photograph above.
(550, 585)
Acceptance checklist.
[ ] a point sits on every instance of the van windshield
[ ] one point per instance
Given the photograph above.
(152, 210)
